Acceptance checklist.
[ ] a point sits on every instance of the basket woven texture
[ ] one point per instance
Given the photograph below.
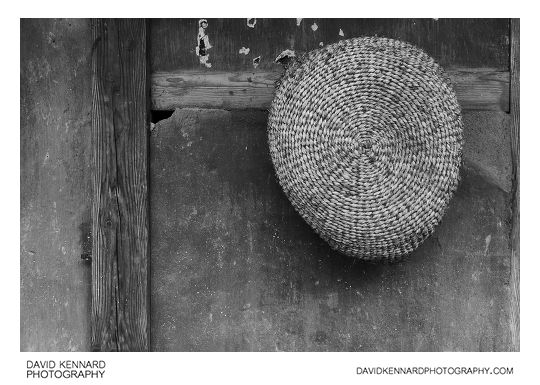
(366, 137)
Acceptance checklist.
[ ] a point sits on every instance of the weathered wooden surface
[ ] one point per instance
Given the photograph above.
(452, 42)
(55, 185)
(476, 89)
(474, 50)
(120, 300)
(514, 70)
(235, 268)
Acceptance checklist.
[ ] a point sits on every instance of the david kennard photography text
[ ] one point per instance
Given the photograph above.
(65, 369)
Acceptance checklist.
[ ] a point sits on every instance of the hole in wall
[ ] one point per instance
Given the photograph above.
(158, 115)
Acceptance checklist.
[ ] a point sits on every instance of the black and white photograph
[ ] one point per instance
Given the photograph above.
(231, 184)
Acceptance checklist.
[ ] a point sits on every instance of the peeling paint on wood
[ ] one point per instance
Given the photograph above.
(284, 56)
(256, 62)
(451, 42)
(203, 44)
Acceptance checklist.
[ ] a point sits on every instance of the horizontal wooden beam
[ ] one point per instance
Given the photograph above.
(476, 88)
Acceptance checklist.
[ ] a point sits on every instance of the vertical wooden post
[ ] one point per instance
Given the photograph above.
(120, 288)
(514, 135)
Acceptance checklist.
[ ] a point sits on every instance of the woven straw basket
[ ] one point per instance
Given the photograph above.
(366, 138)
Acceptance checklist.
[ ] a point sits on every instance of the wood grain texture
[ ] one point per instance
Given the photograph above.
(476, 88)
(55, 85)
(514, 134)
(452, 42)
(120, 298)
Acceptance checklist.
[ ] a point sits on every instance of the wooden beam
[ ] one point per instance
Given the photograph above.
(476, 88)
(120, 297)
(514, 135)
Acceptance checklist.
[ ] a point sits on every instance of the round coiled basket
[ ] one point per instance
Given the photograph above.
(366, 137)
